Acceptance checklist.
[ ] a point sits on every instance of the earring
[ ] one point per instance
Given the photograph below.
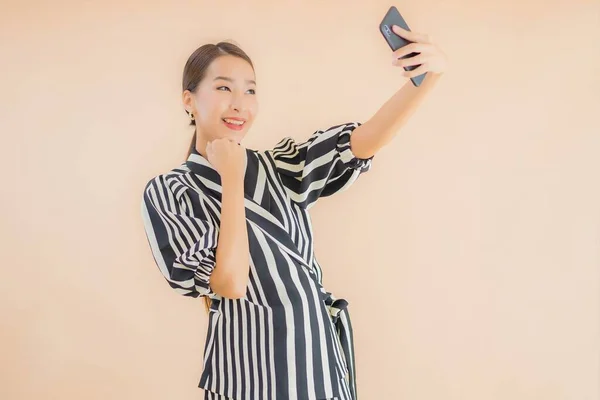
(191, 116)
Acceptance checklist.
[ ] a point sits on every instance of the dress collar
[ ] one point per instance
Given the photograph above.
(198, 163)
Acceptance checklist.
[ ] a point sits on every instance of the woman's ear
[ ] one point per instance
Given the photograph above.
(188, 101)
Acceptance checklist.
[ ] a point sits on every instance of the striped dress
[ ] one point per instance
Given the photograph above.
(288, 338)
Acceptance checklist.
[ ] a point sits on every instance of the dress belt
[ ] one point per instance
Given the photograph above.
(338, 309)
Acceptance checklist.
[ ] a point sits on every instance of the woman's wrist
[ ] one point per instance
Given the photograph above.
(232, 179)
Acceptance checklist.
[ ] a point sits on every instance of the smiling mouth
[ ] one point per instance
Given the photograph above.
(239, 125)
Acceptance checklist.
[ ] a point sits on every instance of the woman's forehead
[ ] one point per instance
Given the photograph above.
(232, 69)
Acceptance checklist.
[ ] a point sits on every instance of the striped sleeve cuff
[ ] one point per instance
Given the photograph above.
(346, 154)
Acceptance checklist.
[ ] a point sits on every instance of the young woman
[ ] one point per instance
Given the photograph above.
(232, 225)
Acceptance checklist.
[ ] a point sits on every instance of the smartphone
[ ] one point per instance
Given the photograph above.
(393, 17)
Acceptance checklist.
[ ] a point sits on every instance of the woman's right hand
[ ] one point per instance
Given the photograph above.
(228, 157)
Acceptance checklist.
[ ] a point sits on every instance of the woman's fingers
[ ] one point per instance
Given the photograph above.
(428, 57)
(410, 35)
(416, 72)
(415, 60)
(410, 48)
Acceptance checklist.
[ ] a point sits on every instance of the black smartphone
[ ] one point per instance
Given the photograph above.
(393, 17)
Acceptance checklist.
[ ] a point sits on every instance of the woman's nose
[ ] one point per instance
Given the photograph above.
(237, 104)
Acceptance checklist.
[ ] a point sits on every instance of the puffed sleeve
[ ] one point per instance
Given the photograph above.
(183, 241)
(320, 166)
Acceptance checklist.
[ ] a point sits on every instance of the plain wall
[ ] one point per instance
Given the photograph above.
(469, 253)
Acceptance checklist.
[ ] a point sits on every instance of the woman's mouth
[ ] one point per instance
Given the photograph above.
(234, 124)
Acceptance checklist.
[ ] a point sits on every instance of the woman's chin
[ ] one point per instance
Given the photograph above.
(236, 138)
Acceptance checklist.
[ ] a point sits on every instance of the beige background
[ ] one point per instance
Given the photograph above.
(470, 250)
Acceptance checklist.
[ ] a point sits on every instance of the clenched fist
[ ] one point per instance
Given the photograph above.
(228, 157)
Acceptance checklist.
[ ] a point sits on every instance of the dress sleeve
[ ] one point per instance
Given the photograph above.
(321, 166)
(183, 242)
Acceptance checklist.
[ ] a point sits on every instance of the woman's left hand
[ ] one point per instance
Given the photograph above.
(429, 56)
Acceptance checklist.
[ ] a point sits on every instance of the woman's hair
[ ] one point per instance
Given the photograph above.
(195, 70)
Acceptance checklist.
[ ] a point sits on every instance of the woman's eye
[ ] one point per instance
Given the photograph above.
(250, 90)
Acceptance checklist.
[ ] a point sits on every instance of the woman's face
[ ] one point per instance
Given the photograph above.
(226, 91)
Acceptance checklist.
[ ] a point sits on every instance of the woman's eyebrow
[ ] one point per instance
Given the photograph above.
(231, 80)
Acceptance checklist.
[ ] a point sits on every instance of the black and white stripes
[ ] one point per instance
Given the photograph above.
(288, 338)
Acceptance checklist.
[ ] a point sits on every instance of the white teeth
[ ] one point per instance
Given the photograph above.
(233, 121)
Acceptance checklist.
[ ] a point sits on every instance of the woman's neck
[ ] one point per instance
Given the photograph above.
(201, 145)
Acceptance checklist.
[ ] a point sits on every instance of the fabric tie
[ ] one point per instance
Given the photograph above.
(338, 309)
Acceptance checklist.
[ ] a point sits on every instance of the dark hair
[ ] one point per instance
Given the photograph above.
(193, 73)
